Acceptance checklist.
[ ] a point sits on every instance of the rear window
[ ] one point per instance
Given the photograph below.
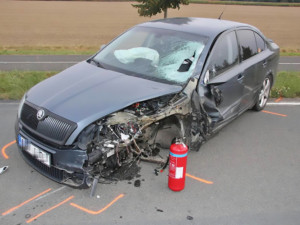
(261, 45)
(247, 42)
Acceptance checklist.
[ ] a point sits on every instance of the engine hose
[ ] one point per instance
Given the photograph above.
(117, 155)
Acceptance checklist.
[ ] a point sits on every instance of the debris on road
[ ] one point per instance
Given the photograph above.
(3, 169)
(189, 218)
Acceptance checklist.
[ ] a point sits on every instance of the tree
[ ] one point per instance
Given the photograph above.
(152, 7)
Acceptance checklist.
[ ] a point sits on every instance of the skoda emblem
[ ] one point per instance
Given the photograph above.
(40, 114)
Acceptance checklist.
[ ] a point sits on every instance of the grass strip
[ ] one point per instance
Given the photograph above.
(282, 4)
(289, 52)
(287, 85)
(14, 84)
(84, 50)
(48, 50)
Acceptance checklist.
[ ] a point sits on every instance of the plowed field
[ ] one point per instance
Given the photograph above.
(48, 23)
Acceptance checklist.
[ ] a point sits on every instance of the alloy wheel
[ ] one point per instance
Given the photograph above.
(264, 93)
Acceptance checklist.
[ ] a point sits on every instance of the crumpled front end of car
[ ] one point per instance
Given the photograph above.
(120, 138)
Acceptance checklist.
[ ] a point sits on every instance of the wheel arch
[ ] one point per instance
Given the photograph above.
(272, 75)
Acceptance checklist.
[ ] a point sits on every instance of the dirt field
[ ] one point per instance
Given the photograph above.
(86, 24)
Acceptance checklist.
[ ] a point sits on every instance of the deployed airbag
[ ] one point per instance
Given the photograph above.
(130, 55)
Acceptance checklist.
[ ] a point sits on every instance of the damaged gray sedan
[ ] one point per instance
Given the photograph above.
(174, 78)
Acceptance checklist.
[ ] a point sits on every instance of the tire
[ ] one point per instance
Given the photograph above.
(263, 94)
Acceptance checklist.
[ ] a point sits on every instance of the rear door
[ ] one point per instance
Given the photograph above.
(249, 63)
(263, 59)
(221, 87)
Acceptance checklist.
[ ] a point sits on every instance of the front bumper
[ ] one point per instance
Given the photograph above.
(66, 165)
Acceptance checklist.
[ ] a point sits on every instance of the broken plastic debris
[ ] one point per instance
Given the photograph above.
(189, 217)
(3, 169)
(109, 145)
(124, 137)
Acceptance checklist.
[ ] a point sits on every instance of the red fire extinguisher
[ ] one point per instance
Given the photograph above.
(177, 165)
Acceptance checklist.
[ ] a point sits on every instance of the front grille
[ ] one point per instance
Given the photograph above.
(28, 116)
(52, 128)
(51, 172)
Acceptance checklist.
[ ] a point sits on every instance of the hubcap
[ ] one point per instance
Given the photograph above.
(264, 92)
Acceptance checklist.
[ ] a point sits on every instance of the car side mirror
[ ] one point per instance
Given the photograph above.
(210, 73)
(206, 78)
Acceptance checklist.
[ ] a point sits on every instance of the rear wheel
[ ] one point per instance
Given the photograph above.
(263, 94)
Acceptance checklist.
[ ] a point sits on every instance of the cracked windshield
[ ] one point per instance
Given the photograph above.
(155, 54)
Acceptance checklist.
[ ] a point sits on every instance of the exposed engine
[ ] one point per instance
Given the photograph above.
(129, 135)
(117, 138)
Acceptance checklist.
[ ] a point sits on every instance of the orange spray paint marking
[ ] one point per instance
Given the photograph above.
(5, 147)
(50, 209)
(278, 99)
(273, 113)
(99, 211)
(27, 201)
(199, 179)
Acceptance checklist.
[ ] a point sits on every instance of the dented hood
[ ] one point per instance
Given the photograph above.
(84, 93)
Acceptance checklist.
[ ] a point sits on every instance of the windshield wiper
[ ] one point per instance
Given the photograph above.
(96, 62)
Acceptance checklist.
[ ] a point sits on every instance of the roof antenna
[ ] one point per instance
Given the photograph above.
(220, 17)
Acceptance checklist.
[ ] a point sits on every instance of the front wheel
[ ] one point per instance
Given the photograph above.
(263, 94)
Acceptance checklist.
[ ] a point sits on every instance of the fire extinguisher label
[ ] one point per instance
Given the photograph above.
(179, 172)
(172, 169)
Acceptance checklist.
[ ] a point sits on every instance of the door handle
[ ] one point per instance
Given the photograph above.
(265, 64)
(240, 77)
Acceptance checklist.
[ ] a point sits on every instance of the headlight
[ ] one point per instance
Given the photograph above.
(21, 105)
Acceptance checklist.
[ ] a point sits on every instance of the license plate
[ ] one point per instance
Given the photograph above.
(39, 154)
(22, 141)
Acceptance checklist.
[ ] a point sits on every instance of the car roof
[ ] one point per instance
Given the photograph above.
(201, 26)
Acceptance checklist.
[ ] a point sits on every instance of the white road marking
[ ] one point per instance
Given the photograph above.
(283, 103)
(289, 63)
(36, 62)
(50, 193)
(9, 103)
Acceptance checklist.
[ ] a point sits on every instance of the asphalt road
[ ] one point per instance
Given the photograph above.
(58, 62)
(253, 164)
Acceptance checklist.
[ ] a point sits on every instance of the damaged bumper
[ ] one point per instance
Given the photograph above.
(61, 165)
(120, 138)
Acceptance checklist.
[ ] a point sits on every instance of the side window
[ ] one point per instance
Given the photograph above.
(261, 45)
(224, 55)
(247, 42)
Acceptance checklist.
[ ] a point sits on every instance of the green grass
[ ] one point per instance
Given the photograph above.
(287, 85)
(14, 84)
(83, 50)
(48, 50)
(289, 52)
(246, 3)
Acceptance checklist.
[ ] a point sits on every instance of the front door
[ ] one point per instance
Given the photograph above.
(222, 87)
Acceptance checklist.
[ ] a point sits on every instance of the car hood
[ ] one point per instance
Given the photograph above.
(84, 93)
